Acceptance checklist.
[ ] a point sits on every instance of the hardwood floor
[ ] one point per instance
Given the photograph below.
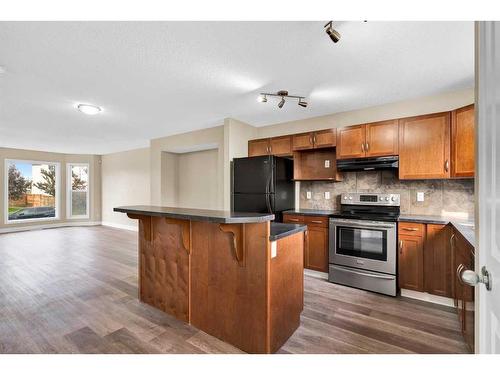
(74, 290)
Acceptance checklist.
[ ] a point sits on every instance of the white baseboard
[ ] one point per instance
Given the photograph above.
(316, 274)
(133, 228)
(422, 296)
(49, 226)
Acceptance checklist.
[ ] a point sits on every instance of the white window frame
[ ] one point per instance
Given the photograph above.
(69, 190)
(6, 191)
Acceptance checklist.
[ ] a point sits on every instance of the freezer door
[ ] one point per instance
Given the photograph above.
(253, 175)
(260, 203)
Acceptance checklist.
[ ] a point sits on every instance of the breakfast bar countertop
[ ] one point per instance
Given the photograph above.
(212, 216)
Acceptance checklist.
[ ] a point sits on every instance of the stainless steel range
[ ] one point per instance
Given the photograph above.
(363, 242)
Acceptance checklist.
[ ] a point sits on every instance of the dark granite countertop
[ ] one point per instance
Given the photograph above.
(281, 230)
(464, 226)
(213, 216)
(310, 212)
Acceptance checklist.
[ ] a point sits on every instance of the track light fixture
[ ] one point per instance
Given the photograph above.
(282, 94)
(332, 33)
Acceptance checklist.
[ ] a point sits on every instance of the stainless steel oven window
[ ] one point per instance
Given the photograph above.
(363, 243)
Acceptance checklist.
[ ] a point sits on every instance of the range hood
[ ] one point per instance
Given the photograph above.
(368, 164)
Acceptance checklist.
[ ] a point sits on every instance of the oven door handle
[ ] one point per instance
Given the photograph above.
(363, 226)
(366, 274)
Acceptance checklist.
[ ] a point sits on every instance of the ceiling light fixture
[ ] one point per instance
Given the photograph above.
(282, 94)
(89, 109)
(332, 33)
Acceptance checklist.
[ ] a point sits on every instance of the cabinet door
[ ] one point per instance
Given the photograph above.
(411, 260)
(325, 138)
(351, 142)
(316, 255)
(437, 260)
(281, 146)
(462, 142)
(258, 147)
(302, 141)
(382, 138)
(424, 147)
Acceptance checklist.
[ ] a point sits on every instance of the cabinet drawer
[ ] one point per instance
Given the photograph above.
(411, 229)
(290, 218)
(317, 221)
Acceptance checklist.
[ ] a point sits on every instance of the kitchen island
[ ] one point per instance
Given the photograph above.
(236, 276)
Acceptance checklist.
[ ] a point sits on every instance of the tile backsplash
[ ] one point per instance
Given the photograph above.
(441, 197)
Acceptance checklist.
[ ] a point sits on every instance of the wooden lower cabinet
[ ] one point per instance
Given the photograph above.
(463, 259)
(315, 240)
(411, 262)
(437, 260)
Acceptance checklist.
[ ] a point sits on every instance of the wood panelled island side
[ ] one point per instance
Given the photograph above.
(236, 276)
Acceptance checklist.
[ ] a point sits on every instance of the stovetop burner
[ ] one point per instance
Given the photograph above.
(369, 206)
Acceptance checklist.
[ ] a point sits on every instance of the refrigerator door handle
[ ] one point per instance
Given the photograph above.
(268, 203)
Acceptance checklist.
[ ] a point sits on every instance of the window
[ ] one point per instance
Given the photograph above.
(78, 190)
(32, 190)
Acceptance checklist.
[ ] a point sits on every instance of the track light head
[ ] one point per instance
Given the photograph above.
(281, 103)
(302, 103)
(332, 33)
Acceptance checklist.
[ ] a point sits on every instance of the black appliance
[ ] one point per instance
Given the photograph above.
(263, 184)
(363, 242)
(368, 164)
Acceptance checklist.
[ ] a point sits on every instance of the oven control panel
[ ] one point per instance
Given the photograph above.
(370, 199)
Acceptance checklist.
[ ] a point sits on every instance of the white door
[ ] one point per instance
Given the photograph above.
(488, 183)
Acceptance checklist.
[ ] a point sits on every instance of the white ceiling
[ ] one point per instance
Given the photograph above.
(159, 78)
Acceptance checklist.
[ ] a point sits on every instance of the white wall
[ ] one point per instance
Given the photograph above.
(197, 179)
(407, 108)
(125, 181)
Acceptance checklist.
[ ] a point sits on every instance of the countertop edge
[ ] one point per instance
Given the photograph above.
(296, 229)
(204, 218)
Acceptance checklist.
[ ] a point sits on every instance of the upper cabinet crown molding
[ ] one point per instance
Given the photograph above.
(462, 142)
(369, 140)
(424, 147)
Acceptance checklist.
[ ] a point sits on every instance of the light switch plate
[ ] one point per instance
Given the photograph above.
(327, 195)
(327, 163)
(420, 196)
(274, 249)
(308, 195)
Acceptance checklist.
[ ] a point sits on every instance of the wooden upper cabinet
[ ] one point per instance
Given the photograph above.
(317, 139)
(281, 146)
(382, 138)
(462, 142)
(438, 275)
(424, 147)
(302, 141)
(258, 147)
(351, 142)
(325, 138)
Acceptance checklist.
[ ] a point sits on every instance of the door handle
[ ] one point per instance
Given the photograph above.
(400, 246)
(317, 221)
(447, 165)
(471, 278)
(367, 146)
(289, 219)
(311, 141)
(363, 146)
(314, 138)
(410, 229)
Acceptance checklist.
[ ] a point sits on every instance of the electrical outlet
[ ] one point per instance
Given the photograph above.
(327, 163)
(327, 195)
(308, 195)
(420, 196)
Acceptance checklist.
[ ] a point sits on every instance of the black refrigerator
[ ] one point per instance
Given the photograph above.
(263, 184)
